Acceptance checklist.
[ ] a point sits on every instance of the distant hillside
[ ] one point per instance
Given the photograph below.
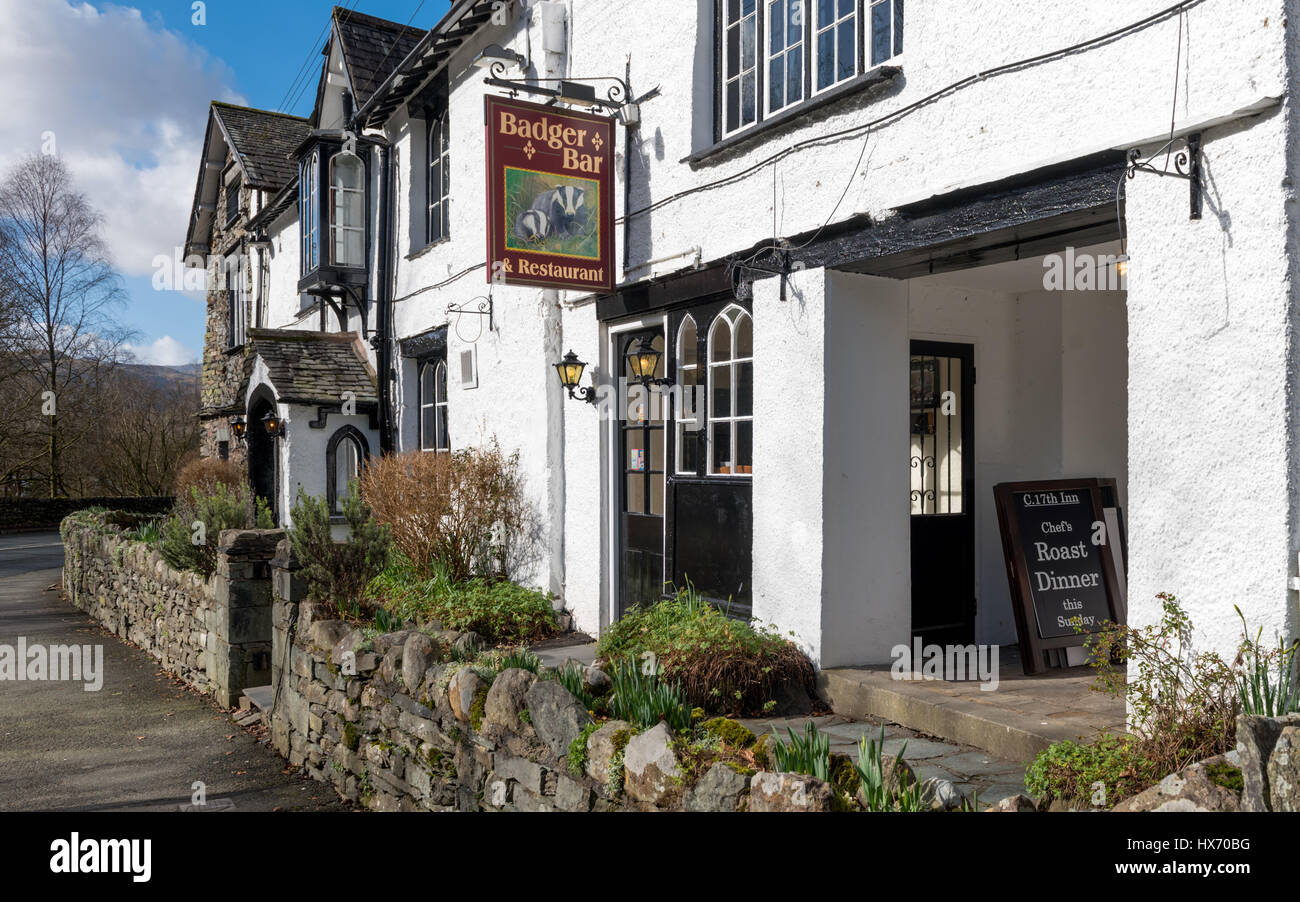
(163, 376)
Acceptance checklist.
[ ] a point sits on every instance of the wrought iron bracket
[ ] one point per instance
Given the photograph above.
(1186, 165)
(484, 309)
(583, 393)
(581, 92)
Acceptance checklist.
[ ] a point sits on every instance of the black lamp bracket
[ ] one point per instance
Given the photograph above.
(585, 393)
(617, 95)
(1186, 165)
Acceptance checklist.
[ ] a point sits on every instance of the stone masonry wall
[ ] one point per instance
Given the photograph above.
(395, 724)
(214, 633)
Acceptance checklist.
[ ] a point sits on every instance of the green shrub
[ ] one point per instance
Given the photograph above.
(1183, 703)
(149, 533)
(807, 754)
(723, 665)
(642, 699)
(1069, 771)
(186, 545)
(338, 571)
(499, 611)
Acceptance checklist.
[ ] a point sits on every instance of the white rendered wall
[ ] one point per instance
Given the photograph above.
(1211, 421)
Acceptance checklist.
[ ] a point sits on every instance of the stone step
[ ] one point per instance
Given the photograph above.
(259, 696)
(1015, 722)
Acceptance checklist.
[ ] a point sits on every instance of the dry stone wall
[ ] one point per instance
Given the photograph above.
(213, 633)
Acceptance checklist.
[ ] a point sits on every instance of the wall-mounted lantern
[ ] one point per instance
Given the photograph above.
(273, 424)
(644, 359)
(238, 427)
(570, 370)
(498, 59)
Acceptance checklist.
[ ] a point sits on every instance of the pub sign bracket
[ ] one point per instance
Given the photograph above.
(1186, 166)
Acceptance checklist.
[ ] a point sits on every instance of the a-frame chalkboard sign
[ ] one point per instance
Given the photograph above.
(1063, 541)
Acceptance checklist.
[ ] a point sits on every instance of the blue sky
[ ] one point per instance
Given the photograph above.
(124, 91)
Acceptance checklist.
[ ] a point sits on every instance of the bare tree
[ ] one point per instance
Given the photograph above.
(152, 432)
(56, 272)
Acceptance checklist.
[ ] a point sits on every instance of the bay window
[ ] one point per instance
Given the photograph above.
(308, 175)
(347, 211)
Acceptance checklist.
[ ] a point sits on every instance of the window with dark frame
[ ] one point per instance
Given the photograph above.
(433, 406)
(345, 457)
(776, 54)
(232, 201)
(438, 185)
(237, 298)
(309, 228)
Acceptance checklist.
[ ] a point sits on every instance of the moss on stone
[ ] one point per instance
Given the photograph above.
(731, 732)
(1225, 775)
(351, 739)
(476, 708)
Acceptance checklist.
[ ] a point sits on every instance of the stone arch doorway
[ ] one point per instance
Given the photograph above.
(263, 463)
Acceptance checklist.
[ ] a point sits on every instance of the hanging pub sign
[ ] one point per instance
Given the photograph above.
(550, 196)
(1063, 544)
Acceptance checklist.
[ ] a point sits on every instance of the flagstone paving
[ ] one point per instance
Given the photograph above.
(973, 771)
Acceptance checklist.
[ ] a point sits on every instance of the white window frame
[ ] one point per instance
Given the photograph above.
(739, 79)
(441, 439)
(868, 32)
(679, 425)
(784, 54)
(734, 314)
(348, 444)
(355, 198)
(819, 27)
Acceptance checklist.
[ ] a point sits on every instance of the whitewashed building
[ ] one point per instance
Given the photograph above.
(815, 201)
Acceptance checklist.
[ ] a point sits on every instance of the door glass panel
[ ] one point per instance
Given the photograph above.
(635, 493)
(721, 406)
(935, 458)
(721, 447)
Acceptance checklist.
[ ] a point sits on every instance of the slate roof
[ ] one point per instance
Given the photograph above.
(312, 367)
(372, 48)
(263, 142)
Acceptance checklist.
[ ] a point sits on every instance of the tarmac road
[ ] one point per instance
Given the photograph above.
(138, 743)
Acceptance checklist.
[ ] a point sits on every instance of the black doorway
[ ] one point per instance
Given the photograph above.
(941, 491)
(641, 493)
(263, 468)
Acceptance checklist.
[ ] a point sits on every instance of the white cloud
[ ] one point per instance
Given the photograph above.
(126, 101)
(166, 351)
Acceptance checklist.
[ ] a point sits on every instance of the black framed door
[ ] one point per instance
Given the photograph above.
(263, 468)
(941, 491)
(641, 503)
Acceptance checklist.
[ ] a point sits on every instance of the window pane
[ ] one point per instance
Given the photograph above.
(744, 389)
(688, 459)
(721, 401)
(775, 84)
(733, 51)
(846, 7)
(355, 255)
(440, 383)
(744, 336)
(657, 450)
(428, 428)
(748, 42)
(749, 6)
(636, 451)
(426, 384)
(880, 38)
(898, 27)
(733, 10)
(847, 43)
(687, 350)
(749, 102)
(720, 443)
(825, 12)
(720, 340)
(776, 34)
(635, 493)
(825, 59)
(444, 440)
(745, 446)
(733, 106)
(794, 78)
(657, 495)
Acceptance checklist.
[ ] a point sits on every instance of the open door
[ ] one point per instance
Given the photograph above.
(942, 475)
(641, 503)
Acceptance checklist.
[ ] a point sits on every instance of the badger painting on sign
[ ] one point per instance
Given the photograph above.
(550, 219)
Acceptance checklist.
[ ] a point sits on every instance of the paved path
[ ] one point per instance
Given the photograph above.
(140, 742)
(971, 770)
